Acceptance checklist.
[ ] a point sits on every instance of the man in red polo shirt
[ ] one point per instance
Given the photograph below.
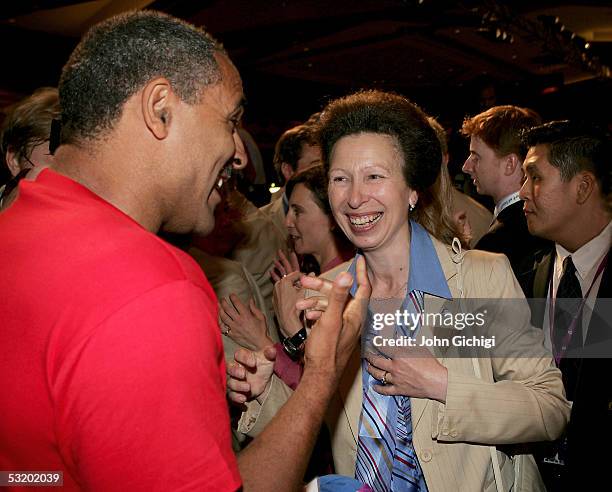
(112, 369)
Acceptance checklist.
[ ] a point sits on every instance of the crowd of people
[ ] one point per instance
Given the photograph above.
(160, 332)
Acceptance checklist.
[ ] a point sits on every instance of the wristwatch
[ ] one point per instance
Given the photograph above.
(293, 343)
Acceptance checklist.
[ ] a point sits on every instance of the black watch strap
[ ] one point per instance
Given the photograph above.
(292, 344)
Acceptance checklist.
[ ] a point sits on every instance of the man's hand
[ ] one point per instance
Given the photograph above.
(335, 335)
(245, 325)
(250, 374)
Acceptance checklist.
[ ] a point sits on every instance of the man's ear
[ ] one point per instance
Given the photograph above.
(287, 171)
(157, 102)
(585, 185)
(512, 162)
(12, 162)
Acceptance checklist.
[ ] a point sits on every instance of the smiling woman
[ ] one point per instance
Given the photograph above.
(412, 415)
(383, 161)
(379, 141)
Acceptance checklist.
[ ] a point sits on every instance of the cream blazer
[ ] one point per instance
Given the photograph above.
(256, 251)
(230, 277)
(516, 399)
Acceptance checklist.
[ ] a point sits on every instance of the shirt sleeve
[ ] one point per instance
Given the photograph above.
(286, 368)
(140, 403)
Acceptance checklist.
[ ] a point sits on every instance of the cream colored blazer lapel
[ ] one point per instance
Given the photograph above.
(346, 408)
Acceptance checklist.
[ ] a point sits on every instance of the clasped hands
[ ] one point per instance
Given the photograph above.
(332, 339)
(414, 372)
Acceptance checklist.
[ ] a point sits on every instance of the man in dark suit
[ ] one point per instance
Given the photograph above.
(494, 164)
(567, 200)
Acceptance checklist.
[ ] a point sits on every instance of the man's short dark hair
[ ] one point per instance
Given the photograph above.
(119, 56)
(574, 147)
(500, 128)
(290, 146)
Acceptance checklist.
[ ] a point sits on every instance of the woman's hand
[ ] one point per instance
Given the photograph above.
(315, 306)
(250, 374)
(287, 291)
(283, 266)
(412, 372)
(245, 325)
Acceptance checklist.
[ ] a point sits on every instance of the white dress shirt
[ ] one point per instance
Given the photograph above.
(586, 260)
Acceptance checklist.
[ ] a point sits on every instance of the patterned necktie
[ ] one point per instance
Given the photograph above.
(567, 331)
(568, 321)
(386, 459)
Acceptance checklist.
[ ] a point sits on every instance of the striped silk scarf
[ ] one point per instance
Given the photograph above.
(386, 459)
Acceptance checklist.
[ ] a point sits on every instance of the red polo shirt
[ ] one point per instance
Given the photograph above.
(111, 365)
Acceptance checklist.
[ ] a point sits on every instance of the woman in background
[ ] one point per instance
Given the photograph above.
(314, 232)
(25, 140)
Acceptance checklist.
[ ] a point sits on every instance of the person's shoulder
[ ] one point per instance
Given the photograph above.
(485, 260)
(513, 216)
(461, 200)
(259, 234)
(334, 272)
(255, 222)
(331, 275)
(489, 274)
(122, 252)
(217, 268)
(484, 274)
(165, 261)
(468, 258)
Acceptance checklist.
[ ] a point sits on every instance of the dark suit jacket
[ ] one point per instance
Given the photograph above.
(589, 433)
(509, 235)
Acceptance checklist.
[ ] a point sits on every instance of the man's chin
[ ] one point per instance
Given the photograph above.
(534, 228)
(206, 222)
(204, 228)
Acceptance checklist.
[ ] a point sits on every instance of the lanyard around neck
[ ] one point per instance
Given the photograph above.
(506, 202)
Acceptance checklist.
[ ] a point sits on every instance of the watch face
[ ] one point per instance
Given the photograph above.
(292, 344)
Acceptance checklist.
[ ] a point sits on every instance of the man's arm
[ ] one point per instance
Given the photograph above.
(277, 458)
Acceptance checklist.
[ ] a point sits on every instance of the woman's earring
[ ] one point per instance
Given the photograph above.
(411, 207)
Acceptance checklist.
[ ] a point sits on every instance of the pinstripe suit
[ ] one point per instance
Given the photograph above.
(525, 404)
